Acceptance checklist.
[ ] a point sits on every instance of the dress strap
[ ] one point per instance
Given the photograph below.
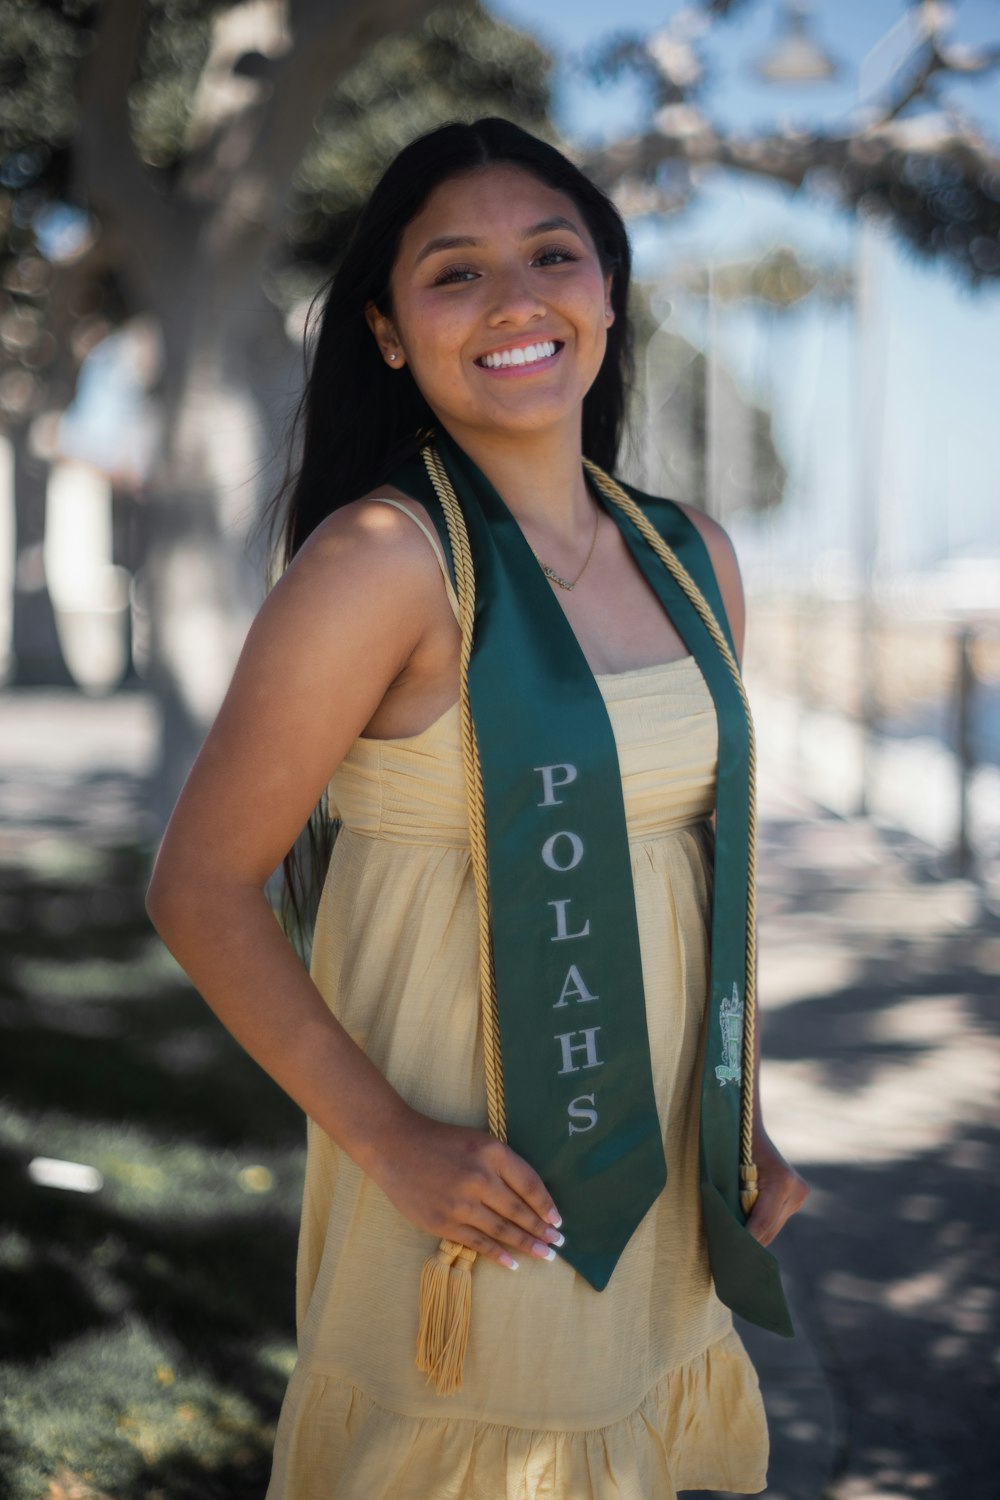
(428, 533)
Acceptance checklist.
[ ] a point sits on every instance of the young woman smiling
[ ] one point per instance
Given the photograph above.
(513, 1001)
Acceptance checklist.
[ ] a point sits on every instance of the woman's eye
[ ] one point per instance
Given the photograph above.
(450, 273)
(456, 273)
(558, 250)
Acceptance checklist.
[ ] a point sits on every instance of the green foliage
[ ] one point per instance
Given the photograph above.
(146, 1329)
(460, 63)
(40, 50)
(120, 1415)
(42, 46)
(175, 48)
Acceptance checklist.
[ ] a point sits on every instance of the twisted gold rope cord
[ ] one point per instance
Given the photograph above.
(466, 589)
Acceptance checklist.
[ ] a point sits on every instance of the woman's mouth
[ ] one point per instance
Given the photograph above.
(523, 360)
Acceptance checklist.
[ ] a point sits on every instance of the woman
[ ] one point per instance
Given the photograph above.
(474, 345)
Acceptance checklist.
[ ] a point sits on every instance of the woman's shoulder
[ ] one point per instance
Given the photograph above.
(369, 537)
(365, 567)
(715, 536)
(367, 522)
(725, 565)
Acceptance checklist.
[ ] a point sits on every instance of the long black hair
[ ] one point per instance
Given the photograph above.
(357, 420)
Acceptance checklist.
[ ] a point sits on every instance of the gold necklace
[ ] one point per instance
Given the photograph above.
(564, 583)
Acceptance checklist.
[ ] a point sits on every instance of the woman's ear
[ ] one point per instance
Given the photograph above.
(609, 313)
(385, 335)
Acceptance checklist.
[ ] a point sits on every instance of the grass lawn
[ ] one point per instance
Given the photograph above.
(146, 1328)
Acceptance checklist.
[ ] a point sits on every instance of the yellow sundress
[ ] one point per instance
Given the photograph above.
(632, 1393)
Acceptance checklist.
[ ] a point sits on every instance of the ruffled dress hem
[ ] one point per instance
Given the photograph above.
(699, 1427)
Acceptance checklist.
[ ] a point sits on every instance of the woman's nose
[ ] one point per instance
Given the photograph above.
(515, 296)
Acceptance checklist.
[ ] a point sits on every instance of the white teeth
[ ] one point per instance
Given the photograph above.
(526, 356)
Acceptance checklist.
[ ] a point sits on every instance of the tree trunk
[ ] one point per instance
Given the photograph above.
(200, 584)
(194, 261)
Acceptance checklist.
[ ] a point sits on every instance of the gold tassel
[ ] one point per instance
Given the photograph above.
(445, 1315)
(748, 1192)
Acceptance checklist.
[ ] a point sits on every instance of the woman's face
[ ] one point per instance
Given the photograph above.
(518, 272)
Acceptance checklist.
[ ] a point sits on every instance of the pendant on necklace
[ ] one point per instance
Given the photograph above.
(563, 583)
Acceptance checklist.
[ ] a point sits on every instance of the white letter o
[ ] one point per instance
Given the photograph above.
(549, 854)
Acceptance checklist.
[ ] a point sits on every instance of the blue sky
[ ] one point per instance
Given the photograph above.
(934, 344)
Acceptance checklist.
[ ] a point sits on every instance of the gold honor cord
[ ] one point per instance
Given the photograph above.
(445, 1281)
(466, 589)
(445, 1313)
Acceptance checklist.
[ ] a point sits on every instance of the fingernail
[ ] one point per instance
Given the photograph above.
(555, 1217)
(508, 1260)
(543, 1252)
(554, 1237)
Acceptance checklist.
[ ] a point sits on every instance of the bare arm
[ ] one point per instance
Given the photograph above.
(338, 630)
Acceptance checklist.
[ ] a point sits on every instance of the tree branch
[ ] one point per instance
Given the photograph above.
(788, 157)
(934, 59)
(925, 173)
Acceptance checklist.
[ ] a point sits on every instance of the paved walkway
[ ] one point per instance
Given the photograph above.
(881, 1037)
(881, 1082)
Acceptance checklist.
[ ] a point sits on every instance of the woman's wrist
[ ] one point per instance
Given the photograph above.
(375, 1139)
(762, 1143)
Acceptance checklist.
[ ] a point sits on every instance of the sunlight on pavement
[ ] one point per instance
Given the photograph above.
(946, 1079)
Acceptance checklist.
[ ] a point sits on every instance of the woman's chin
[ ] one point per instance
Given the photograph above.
(532, 413)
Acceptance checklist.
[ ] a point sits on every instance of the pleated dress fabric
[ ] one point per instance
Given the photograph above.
(633, 1393)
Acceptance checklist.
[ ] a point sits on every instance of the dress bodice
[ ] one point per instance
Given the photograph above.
(412, 789)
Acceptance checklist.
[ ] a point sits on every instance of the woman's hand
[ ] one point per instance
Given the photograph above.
(465, 1185)
(781, 1191)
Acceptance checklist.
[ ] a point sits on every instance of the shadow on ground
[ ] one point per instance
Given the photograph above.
(146, 1328)
(882, 1036)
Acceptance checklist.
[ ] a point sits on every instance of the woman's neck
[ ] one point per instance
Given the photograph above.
(539, 476)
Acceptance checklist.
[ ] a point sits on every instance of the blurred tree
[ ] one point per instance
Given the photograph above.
(220, 153)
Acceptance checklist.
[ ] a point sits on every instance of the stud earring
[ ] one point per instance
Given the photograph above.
(392, 356)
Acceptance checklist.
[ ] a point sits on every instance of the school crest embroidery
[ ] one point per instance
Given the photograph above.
(731, 1021)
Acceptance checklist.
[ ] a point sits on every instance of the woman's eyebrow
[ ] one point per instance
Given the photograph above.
(463, 241)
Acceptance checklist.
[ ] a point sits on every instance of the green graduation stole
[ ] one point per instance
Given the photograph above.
(568, 1077)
